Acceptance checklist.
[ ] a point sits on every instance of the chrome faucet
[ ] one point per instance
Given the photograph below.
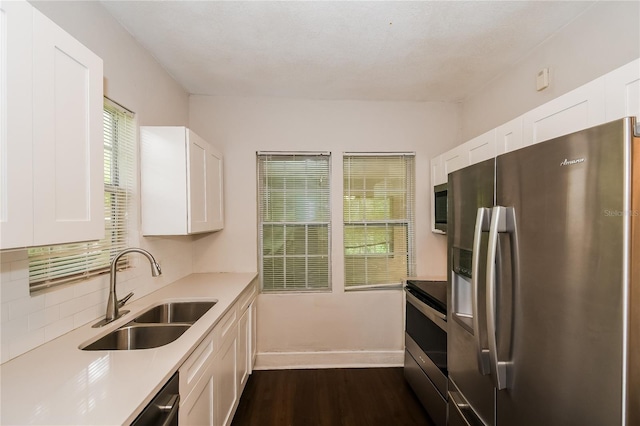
(113, 304)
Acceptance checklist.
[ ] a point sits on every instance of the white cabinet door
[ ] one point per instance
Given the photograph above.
(623, 91)
(579, 109)
(481, 147)
(509, 136)
(254, 336)
(198, 408)
(205, 180)
(181, 182)
(68, 138)
(16, 180)
(226, 384)
(244, 349)
(437, 171)
(455, 159)
(52, 107)
(215, 189)
(198, 194)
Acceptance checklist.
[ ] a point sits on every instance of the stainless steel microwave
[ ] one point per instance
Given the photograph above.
(440, 207)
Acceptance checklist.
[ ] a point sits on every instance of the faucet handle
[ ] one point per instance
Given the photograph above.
(124, 300)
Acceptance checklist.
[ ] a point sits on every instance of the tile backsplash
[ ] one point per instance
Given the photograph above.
(29, 321)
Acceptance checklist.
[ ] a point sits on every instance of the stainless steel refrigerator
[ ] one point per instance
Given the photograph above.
(544, 284)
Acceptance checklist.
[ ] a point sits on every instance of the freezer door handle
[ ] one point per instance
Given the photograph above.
(502, 221)
(482, 225)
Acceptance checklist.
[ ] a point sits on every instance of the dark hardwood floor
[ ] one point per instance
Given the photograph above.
(329, 397)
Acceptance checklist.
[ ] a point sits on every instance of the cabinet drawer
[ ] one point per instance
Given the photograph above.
(228, 322)
(247, 296)
(198, 362)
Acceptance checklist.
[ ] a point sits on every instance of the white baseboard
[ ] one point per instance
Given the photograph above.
(328, 359)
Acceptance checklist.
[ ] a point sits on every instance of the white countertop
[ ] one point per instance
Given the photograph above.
(57, 383)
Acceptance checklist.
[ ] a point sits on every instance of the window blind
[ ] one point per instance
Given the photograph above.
(60, 264)
(378, 210)
(294, 221)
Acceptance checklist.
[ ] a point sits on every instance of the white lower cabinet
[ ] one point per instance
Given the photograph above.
(214, 375)
(198, 407)
(246, 344)
(244, 348)
(226, 385)
(197, 383)
(253, 349)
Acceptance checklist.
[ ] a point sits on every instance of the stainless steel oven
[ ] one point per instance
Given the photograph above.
(425, 364)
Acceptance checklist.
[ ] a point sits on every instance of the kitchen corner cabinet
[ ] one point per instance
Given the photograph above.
(214, 375)
(181, 182)
(51, 177)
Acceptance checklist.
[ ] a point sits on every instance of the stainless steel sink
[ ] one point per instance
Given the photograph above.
(137, 337)
(157, 326)
(174, 312)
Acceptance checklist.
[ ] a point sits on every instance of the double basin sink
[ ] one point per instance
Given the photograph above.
(157, 326)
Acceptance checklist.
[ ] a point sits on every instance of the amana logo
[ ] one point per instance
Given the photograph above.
(572, 162)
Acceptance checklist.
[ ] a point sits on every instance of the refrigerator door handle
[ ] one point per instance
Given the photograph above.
(502, 220)
(482, 225)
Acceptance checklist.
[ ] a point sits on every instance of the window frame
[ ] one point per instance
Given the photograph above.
(408, 221)
(262, 224)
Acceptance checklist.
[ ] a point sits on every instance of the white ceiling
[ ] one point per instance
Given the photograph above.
(383, 50)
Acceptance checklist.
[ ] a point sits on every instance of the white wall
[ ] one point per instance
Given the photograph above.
(328, 328)
(605, 37)
(134, 79)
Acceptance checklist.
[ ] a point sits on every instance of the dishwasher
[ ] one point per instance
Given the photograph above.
(163, 409)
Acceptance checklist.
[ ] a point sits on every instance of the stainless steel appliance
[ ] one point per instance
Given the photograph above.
(544, 261)
(425, 365)
(163, 409)
(440, 207)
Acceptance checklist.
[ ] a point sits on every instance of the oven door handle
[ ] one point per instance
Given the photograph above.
(438, 318)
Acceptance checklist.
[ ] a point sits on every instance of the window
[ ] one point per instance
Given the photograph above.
(378, 219)
(294, 221)
(60, 264)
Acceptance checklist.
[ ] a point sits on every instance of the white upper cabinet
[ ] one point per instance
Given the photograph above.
(68, 141)
(437, 171)
(509, 136)
(481, 147)
(181, 181)
(52, 137)
(623, 91)
(579, 109)
(610, 97)
(455, 159)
